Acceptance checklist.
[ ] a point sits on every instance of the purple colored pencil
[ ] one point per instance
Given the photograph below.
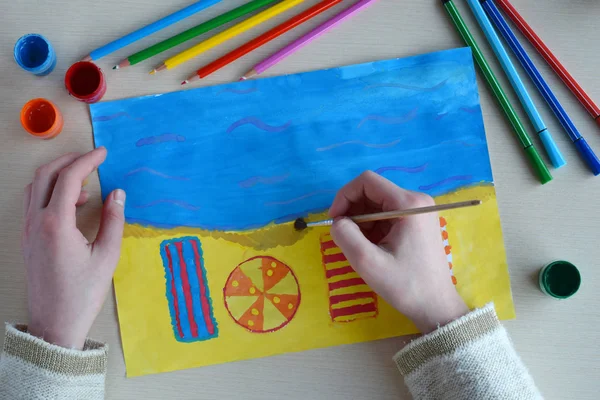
(306, 39)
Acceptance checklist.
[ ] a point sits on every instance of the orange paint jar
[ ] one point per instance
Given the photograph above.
(41, 118)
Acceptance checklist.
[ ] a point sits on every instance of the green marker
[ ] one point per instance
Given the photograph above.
(193, 32)
(532, 154)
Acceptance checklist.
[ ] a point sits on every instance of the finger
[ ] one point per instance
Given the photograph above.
(68, 186)
(108, 242)
(371, 188)
(84, 196)
(356, 247)
(45, 178)
(26, 199)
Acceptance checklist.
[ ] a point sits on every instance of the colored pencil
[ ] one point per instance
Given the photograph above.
(300, 224)
(532, 154)
(262, 39)
(551, 59)
(193, 32)
(306, 39)
(501, 24)
(227, 35)
(150, 29)
(515, 79)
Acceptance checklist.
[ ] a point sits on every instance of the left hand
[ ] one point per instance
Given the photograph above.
(68, 277)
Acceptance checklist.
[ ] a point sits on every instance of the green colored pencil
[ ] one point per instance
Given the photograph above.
(532, 154)
(193, 32)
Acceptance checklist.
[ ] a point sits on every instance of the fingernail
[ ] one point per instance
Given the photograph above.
(120, 197)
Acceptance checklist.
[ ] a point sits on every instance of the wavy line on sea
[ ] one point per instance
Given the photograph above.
(265, 180)
(238, 91)
(177, 203)
(306, 196)
(167, 137)
(410, 170)
(361, 143)
(446, 181)
(407, 87)
(389, 120)
(260, 124)
(103, 118)
(157, 173)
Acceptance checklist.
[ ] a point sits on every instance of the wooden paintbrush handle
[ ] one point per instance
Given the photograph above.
(414, 211)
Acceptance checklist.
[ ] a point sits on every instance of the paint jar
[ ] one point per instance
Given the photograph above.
(560, 279)
(35, 54)
(41, 119)
(85, 81)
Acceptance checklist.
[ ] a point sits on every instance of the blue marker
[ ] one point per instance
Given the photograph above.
(150, 29)
(35, 54)
(534, 116)
(584, 149)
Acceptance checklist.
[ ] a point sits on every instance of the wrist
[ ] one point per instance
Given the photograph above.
(70, 339)
(435, 314)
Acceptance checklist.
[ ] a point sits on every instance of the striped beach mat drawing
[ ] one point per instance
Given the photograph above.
(187, 290)
(349, 296)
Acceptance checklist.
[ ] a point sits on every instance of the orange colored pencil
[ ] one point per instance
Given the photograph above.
(262, 39)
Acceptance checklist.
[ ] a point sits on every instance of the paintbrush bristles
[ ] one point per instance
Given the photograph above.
(300, 224)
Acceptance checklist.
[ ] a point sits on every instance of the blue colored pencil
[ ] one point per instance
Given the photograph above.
(150, 29)
(584, 149)
(513, 76)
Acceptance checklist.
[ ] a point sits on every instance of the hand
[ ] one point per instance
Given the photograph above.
(403, 260)
(68, 277)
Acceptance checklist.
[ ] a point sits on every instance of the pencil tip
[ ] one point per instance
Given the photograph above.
(116, 67)
(152, 72)
(243, 78)
(184, 82)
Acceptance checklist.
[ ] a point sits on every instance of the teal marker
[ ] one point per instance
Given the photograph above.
(516, 82)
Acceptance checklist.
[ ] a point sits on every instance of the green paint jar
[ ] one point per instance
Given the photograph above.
(560, 279)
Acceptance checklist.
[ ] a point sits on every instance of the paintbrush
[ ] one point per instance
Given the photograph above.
(301, 224)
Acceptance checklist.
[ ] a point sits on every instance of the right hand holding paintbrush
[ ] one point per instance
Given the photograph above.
(403, 260)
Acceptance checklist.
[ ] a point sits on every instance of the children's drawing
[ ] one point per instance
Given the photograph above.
(187, 290)
(225, 170)
(262, 294)
(349, 296)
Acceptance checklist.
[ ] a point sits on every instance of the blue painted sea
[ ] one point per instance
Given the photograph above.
(241, 155)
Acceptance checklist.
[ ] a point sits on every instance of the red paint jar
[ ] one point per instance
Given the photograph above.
(85, 81)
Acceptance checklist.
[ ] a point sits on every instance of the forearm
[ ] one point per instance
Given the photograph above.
(470, 358)
(33, 369)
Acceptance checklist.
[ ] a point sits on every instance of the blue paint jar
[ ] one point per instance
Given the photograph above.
(35, 54)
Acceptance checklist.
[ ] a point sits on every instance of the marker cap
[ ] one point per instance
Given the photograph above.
(538, 165)
(556, 158)
(588, 155)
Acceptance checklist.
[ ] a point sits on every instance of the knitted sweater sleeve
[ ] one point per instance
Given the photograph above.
(470, 358)
(33, 369)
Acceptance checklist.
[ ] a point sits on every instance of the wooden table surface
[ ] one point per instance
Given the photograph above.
(558, 340)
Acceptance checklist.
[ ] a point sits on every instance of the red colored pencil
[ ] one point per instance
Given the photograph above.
(551, 59)
(262, 39)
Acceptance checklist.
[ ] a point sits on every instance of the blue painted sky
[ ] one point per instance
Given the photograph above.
(241, 155)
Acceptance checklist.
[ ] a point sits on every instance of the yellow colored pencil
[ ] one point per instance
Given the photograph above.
(226, 35)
